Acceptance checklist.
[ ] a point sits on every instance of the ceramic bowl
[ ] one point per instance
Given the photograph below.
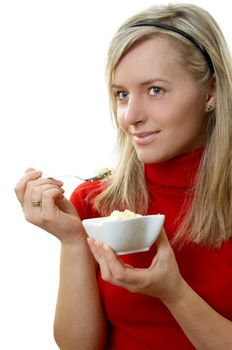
(126, 236)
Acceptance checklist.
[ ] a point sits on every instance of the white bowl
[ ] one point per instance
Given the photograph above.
(126, 236)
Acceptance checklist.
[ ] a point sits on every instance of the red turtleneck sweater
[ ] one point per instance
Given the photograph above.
(140, 322)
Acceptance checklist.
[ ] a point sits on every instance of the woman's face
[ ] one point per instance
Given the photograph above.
(159, 104)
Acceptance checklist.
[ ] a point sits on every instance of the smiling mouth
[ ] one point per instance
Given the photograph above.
(145, 138)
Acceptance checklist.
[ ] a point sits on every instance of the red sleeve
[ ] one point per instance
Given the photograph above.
(83, 197)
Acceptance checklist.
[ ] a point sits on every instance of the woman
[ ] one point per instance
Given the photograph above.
(170, 83)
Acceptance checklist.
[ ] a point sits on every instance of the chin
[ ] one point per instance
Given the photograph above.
(152, 160)
(147, 158)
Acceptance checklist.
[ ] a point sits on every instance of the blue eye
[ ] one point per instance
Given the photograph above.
(121, 95)
(155, 90)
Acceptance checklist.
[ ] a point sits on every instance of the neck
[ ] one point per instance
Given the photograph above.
(180, 171)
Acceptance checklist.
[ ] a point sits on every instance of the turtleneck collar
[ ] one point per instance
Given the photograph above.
(180, 171)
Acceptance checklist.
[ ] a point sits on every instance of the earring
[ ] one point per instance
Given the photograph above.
(209, 108)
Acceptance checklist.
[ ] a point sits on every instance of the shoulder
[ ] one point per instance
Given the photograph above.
(83, 198)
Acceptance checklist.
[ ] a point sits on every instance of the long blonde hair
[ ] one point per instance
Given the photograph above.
(209, 220)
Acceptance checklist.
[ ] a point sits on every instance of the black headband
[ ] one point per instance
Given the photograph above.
(153, 23)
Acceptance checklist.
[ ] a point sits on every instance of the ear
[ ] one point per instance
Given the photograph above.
(210, 104)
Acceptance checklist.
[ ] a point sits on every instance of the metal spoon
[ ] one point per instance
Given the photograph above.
(91, 179)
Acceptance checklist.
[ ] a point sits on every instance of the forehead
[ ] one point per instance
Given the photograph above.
(159, 56)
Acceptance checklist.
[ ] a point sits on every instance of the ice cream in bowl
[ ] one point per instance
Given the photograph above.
(124, 231)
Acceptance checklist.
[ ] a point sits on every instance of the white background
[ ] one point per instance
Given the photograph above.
(54, 117)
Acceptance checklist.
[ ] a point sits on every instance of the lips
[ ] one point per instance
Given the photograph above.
(144, 138)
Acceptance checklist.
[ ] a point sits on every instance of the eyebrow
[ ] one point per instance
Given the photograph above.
(144, 83)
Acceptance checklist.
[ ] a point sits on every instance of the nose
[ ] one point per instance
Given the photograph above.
(135, 111)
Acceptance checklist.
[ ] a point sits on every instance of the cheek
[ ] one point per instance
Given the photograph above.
(183, 115)
(120, 113)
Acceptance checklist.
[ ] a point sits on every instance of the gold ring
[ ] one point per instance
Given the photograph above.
(36, 204)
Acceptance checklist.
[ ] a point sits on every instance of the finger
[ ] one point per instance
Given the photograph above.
(124, 275)
(28, 170)
(20, 187)
(34, 190)
(164, 249)
(66, 206)
(113, 270)
(44, 181)
(162, 240)
(32, 177)
(96, 248)
(115, 266)
(49, 197)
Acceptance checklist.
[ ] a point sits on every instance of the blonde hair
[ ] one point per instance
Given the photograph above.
(208, 221)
